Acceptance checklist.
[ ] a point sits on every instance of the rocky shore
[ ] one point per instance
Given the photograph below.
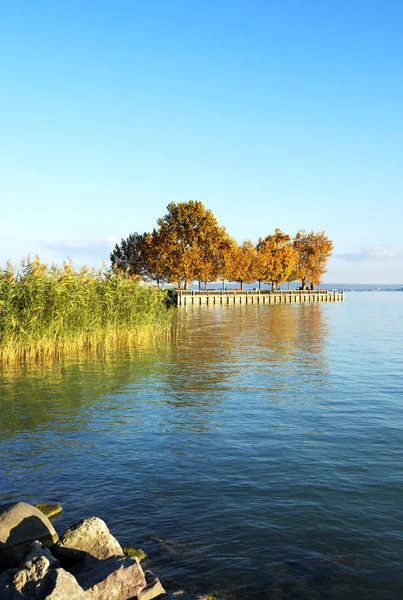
(85, 562)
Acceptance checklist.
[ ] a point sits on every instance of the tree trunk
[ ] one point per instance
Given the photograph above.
(199, 285)
(289, 284)
(205, 285)
(223, 284)
(259, 285)
(241, 285)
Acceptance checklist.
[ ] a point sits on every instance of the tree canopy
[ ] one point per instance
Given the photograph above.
(313, 250)
(189, 245)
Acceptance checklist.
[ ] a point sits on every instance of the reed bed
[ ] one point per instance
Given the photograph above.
(47, 312)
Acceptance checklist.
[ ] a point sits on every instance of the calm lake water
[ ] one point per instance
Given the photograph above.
(261, 453)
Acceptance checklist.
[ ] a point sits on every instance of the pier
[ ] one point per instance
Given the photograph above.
(238, 296)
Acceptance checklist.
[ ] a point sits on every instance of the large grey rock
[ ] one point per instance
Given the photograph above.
(37, 581)
(20, 525)
(115, 578)
(28, 581)
(7, 592)
(153, 587)
(87, 537)
(61, 585)
(37, 549)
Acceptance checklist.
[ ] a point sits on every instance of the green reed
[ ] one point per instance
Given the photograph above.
(50, 311)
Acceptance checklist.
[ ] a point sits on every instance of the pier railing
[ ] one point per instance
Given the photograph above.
(232, 295)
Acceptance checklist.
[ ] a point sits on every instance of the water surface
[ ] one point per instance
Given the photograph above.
(261, 453)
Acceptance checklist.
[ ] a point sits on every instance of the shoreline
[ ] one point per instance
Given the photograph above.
(85, 561)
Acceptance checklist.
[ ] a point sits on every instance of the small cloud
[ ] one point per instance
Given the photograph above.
(378, 253)
(97, 249)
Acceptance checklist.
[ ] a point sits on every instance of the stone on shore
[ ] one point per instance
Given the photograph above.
(87, 537)
(49, 510)
(132, 552)
(61, 585)
(115, 578)
(29, 580)
(153, 587)
(35, 580)
(37, 549)
(20, 524)
(26, 581)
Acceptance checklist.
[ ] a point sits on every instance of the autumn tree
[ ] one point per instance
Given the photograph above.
(313, 252)
(187, 234)
(154, 257)
(277, 258)
(226, 258)
(210, 247)
(244, 263)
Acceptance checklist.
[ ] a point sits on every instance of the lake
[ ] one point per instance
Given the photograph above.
(260, 453)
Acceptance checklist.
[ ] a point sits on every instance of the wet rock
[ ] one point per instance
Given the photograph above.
(87, 537)
(49, 510)
(132, 552)
(20, 524)
(115, 578)
(36, 550)
(153, 588)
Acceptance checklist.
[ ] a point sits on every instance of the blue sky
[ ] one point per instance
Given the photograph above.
(273, 114)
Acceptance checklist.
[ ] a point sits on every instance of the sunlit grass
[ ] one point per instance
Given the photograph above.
(53, 311)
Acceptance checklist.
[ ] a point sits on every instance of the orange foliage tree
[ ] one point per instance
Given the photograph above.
(188, 235)
(313, 250)
(210, 248)
(225, 258)
(244, 263)
(189, 245)
(277, 258)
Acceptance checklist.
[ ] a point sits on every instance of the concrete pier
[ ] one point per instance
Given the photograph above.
(196, 297)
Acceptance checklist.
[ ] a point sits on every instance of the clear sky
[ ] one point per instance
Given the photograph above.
(273, 113)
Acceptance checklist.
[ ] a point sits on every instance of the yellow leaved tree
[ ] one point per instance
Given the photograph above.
(314, 250)
(188, 235)
(277, 258)
(244, 263)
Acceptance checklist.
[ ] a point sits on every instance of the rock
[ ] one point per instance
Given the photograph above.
(36, 550)
(7, 591)
(115, 578)
(29, 580)
(63, 586)
(20, 524)
(49, 510)
(132, 551)
(36, 581)
(87, 537)
(153, 588)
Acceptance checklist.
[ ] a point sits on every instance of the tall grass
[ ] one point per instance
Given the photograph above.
(50, 311)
